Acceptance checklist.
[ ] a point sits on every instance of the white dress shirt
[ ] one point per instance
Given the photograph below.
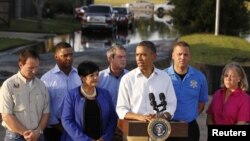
(134, 89)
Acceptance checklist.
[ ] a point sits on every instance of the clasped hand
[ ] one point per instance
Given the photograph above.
(31, 135)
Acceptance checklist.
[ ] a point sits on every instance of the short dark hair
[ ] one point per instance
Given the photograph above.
(148, 44)
(27, 53)
(87, 67)
(182, 44)
(62, 45)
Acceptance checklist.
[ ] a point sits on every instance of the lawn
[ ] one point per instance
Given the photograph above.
(9, 43)
(59, 25)
(218, 50)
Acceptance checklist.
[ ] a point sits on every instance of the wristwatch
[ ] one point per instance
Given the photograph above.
(40, 132)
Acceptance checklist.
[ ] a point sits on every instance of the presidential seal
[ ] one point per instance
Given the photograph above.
(159, 129)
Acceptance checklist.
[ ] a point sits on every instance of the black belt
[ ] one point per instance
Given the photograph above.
(192, 122)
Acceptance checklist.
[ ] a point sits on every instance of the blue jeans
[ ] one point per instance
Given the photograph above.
(12, 136)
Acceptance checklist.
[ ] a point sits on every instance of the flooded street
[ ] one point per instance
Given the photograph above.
(147, 26)
(92, 45)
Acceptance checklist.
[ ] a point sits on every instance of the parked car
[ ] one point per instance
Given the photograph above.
(140, 5)
(79, 12)
(164, 7)
(124, 17)
(98, 17)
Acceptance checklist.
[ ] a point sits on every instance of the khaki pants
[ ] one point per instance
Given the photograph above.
(135, 138)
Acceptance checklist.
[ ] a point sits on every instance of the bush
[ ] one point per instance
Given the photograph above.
(64, 6)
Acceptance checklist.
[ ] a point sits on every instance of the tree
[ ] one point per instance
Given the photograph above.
(39, 8)
(192, 16)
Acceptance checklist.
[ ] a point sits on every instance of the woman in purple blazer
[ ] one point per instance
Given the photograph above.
(88, 112)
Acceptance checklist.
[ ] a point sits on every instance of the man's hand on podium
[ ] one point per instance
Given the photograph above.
(146, 117)
(139, 117)
(166, 116)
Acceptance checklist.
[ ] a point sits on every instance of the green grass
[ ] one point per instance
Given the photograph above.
(9, 43)
(58, 25)
(217, 50)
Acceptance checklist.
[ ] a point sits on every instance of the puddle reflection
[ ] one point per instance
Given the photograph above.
(147, 26)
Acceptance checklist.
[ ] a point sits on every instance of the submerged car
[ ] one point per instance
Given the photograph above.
(99, 17)
(164, 7)
(140, 5)
(124, 17)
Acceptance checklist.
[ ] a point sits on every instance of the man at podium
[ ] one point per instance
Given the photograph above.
(135, 87)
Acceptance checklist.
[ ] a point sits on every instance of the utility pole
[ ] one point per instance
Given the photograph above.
(217, 17)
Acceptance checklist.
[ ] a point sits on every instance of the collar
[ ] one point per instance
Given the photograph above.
(109, 72)
(237, 91)
(23, 78)
(56, 69)
(139, 73)
(172, 72)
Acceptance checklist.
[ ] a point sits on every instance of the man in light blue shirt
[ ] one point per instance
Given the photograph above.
(190, 88)
(110, 77)
(59, 81)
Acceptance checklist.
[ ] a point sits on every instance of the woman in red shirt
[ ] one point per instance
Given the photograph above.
(230, 104)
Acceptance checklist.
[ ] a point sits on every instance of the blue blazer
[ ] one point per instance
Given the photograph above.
(72, 116)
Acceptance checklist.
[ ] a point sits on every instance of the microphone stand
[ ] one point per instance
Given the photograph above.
(156, 107)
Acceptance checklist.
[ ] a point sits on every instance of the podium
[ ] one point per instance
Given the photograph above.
(139, 128)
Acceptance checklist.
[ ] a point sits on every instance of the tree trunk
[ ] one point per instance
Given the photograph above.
(39, 20)
(39, 7)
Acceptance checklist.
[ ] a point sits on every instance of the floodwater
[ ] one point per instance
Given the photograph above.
(93, 45)
(147, 26)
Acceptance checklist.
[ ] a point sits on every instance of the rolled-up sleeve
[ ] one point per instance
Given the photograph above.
(123, 103)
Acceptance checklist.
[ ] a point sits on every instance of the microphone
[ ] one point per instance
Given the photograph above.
(153, 102)
(163, 101)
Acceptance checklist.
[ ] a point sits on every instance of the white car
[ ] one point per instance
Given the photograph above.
(98, 17)
(164, 7)
(140, 5)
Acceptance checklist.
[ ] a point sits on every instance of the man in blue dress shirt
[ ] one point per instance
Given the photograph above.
(59, 81)
(110, 77)
(190, 88)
